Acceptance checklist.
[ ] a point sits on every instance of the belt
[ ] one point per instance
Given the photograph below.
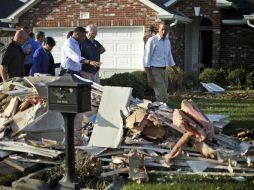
(158, 67)
(68, 71)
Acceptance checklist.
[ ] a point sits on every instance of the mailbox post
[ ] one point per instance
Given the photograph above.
(69, 95)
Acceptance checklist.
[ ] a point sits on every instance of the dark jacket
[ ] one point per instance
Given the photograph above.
(12, 58)
(51, 65)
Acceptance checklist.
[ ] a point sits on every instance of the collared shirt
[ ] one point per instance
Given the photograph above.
(71, 55)
(40, 62)
(29, 48)
(158, 52)
(39, 43)
(12, 59)
(91, 50)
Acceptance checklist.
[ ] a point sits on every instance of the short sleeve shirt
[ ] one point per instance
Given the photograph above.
(91, 50)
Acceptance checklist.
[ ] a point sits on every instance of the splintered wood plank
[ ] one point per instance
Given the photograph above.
(115, 172)
(108, 127)
(20, 166)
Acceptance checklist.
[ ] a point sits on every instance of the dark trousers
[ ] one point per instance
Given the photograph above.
(27, 69)
(68, 71)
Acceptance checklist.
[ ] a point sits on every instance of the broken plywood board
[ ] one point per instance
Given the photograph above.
(38, 161)
(160, 150)
(108, 127)
(115, 172)
(20, 166)
(26, 118)
(23, 147)
(12, 108)
(50, 125)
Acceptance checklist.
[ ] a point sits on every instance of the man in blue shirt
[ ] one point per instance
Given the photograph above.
(29, 48)
(71, 59)
(157, 57)
(91, 50)
(41, 57)
(40, 37)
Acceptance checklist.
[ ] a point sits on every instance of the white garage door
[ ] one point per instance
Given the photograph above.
(124, 47)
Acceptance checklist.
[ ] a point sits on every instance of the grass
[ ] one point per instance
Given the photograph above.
(193, 182)
(239, 106)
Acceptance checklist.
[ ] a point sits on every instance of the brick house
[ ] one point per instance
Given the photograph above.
(203, 33)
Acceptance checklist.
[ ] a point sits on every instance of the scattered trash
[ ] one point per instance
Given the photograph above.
(214, 88)
(121, 135)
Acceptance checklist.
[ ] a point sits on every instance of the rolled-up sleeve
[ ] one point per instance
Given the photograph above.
(73, 53)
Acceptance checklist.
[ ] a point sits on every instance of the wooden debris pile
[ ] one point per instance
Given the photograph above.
(23, 143)
(157, 137)
(126, 136)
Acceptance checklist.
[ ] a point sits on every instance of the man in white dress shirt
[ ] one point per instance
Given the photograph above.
(71, 59)
(157, 57)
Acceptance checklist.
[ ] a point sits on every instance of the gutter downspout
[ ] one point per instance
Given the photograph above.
(249, 23)
(174, 23)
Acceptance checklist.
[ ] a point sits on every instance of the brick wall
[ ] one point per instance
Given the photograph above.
(176, 36)
(66, 13)
(208, 10)
(237, 49)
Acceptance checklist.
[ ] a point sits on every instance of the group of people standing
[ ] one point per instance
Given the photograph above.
(81, 54)
(25, 56)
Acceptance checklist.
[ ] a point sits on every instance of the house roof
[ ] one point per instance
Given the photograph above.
(166, 12)
(244, 7)
(8, 7)
(162, 4)
(14, 16)
(250, 20)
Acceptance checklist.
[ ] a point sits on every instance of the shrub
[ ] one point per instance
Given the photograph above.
(175, 79)
(237, 77)
(208, 75)
(250, 79)
(212, 75)
(126, 80)
(142, 77)
(221, 77)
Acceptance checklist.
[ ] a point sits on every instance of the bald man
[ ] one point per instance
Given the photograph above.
(12, 57)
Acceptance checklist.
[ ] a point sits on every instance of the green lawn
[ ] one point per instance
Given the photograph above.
(193, 182)
(239, 106)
